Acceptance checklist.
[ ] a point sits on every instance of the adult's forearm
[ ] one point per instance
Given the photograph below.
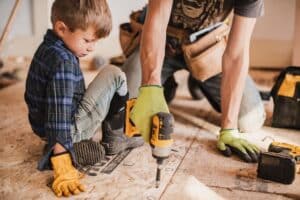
(235, 65)
(153, 40)
(235, 71)
(152, 54)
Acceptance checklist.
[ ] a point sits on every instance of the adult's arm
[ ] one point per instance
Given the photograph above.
(235, 67)
(151, 99)
(153, 40)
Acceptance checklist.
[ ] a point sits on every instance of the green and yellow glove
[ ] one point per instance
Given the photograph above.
(150, 101)
(66, 177)
(230, 141)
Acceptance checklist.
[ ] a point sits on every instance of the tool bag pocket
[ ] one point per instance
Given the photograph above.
(129, 39)
(204, 56)
(130, 34)
(286, 97)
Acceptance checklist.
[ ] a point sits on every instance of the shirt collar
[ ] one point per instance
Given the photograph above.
(51, 37)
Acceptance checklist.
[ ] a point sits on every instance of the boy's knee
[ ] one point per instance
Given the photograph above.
(111, 74)
(118, 78)
(253, 120)
(113, 71)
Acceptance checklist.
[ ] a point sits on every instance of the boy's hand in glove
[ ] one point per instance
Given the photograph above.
(66, 177)
(231, 141)
(150, 101)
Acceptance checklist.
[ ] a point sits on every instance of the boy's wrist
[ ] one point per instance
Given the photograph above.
(58, 149)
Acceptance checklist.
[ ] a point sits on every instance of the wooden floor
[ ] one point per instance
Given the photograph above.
(194, 158)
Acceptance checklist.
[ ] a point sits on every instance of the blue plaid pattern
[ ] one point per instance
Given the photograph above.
(54, 88)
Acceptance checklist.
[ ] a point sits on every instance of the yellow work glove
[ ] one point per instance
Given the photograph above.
(150, 101)
(230, 141)
(66, 177)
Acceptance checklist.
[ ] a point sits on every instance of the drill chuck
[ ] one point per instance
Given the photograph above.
(159, 162)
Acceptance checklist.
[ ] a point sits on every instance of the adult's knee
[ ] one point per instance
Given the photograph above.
(133, 71)
(253, 120)
(252, 113)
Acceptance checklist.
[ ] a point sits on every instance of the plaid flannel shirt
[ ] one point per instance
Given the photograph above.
(54, 88)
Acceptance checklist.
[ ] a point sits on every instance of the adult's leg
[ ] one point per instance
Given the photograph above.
(251, 115)
(170, 66)
(133, 70)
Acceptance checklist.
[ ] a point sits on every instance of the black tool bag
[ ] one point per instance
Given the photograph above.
(286, 96)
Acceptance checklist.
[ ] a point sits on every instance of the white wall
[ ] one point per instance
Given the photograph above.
(296, 50)
(22, 25)
(27, 29)
(273, 37)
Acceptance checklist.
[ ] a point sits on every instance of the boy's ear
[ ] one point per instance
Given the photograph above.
(60, 28)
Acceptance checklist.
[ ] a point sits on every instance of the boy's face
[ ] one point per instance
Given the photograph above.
(80, 42)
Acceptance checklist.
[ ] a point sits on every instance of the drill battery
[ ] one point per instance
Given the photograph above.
(280, 164)
(129, 127)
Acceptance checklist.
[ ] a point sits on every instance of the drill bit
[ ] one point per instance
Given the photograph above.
(158, 171)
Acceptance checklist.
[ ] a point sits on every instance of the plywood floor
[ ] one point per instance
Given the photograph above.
(194, 155)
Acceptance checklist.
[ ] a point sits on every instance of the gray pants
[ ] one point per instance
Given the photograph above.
(252, 114)
(95, 104)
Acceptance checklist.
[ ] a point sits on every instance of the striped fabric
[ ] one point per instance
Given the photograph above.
(54, 88)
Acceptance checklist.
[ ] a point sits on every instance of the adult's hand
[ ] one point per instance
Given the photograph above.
(150, 101)
(230, 141)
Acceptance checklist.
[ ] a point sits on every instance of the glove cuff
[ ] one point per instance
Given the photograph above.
(58, 154)
(232, 132)
(147, 86)
(152, 90)
(62, 159)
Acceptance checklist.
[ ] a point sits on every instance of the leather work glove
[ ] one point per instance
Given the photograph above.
(66, 177)
(230, 141)
(150, 101)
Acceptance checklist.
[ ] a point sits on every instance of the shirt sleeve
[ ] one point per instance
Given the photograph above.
(249, 8)
(60, 92)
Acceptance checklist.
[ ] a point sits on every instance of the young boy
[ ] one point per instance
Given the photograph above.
(61, 111)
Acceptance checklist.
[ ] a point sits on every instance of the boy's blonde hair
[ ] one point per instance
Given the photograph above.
(80, 14)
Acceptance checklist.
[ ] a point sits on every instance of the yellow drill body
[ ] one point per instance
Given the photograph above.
(160, 137)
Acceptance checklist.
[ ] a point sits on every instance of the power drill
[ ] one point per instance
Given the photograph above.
(280, 164)
(160, 138)
(161, 141)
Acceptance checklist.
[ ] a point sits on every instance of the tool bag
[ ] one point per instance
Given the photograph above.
(130, 34)
(204, 56)
(286, 96)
